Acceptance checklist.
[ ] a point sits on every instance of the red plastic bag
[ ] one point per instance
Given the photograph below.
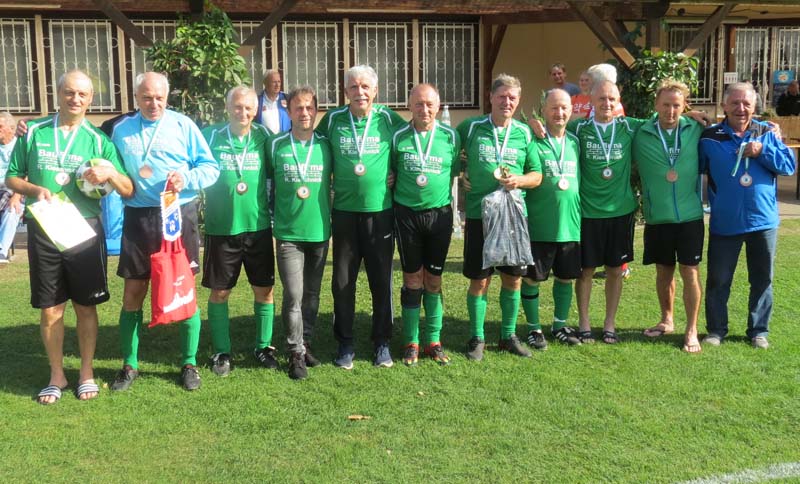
(173, 297)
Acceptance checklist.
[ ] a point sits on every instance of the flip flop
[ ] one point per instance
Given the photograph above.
(693, 348)
(88, 387)
(657, 331)
(49, 391)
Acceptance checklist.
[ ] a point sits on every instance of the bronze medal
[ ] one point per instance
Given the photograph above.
(241, 188)
(62, 178)
(422, 180)
(607, 173)
(498, 173)
(146, 171)
(360, 169)
(563, 184)
(303, 192)
(672, 175)
(746, 180)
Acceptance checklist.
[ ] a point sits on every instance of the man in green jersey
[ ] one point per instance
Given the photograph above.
(238, 228)
(425, 158)
(360, 134)
(665, 149)
(300, 162)
(554, 222)
(499, 154)
(43, 167)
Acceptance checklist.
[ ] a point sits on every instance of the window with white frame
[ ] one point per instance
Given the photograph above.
(310, 55)
(751, 55)
(679, 36)
(17, 67)
(449, 62)
(256, 61)
(386, 48)
(155, 30)
(88, 45)
(788, 49)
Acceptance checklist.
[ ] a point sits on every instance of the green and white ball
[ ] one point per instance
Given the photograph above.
(90, 189)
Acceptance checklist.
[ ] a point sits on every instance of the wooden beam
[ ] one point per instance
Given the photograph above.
(263, 29)
(494, 49)
(707, 29)
(621, 31)
(612, 43)
(491, 46)
(653, 34)
(120, 20)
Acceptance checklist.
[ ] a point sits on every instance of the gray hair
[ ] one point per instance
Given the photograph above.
(739, 86)
(420, 86)
(268, 73)
(7, 118)
(240, 90)
(137, 82)
(63, 78)
(556, 90)
(299, 91)
(504, 80)
(602, 72)
(359, 72)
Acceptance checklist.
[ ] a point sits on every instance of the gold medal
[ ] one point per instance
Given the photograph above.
(563, 183)
(672, 175)
(607, 173)
(303, 192)
(62, 178)
(746, 180)
(360, 169)
(241, 188)
(146, 171)
(422, 180)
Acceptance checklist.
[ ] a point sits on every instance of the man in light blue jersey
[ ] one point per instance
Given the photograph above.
(158, 146)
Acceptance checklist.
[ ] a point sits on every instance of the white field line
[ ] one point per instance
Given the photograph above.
(777, 471)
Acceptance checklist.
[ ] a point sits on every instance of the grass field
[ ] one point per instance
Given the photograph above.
(640, 411)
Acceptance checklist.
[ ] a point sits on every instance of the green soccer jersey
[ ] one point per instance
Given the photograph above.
(483, 143)
(237, 202)
(360, 158)
(606, 166)
(302, 187)
(425, 164)
(42, 157)
(554, 207)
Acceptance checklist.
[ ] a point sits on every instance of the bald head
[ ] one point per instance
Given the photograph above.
(424, 105)
(557, 110)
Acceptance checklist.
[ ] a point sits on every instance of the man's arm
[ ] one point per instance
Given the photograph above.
(202, 170)
(772, 154)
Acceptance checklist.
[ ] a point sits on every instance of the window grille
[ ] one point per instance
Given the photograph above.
(788, 49)
(155, 30)
(751, 54)
(449, 62)
(256, 60)
(311, 52)
(679, 36)
(385, 47)
(17, 67)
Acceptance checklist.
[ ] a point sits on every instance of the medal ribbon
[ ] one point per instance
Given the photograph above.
(739, 156)
(671, 157)
(423, 157)
(302, 170)
(499, 151)
(149, 145)
(560, 162)
(60, 157)
(239, 158)
(606, 154)
(360, 144)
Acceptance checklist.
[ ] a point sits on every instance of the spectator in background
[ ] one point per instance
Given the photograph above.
(789, 102)
(582, 102)
(10, 202)
(272, 111)
(558, 74)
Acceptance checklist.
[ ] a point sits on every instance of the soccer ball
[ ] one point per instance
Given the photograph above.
(89, 189)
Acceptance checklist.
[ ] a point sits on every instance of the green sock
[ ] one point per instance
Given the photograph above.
(130, 327)
(432, 301)
(562, 299)
(220, 327)
(509, 308)
(530, 304)
(410, 325)
(265, 314)
(190, 339)
(476, 306)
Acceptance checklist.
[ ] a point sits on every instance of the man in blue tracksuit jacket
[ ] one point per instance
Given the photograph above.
(272, 108)
(742, 159)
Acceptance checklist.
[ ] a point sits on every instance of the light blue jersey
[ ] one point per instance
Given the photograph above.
(173, 143)
(5, 158)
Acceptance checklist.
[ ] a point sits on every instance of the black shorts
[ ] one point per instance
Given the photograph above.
(78, 273)
(563, 258)
(666, 243)
(224, 255)
(606, 241)
(142, 236)
(473, 253)
(423, 237)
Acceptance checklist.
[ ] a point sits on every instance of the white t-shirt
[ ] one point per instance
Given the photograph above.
(270, 117)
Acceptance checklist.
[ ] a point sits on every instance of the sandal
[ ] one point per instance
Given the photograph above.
(586, 337)
(658, 331)
(88, 387)
(610, 337)
(49, 391)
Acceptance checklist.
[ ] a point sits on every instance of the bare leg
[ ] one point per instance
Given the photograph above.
(583, 294)
(692, 293)
(665, 289)
(133, 294)
(87, 341)
(51, 326)
(613, 292)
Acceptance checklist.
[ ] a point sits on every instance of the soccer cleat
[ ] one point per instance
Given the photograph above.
(475, 348)
(383, 358)
(311, 360)
(297, 366)
(344, 357)
(266, 356)
(124, 378)
(536, 340)
(221, 364)
(567, 335)
(190, 377)
(435, 351)
(411, 354)
(514, 346)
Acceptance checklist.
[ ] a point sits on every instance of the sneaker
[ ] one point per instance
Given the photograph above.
(266, 356)
(536, 340)
(344, 357)
(760, 342)
(221, 364)
(383, 358)
(311, 360)
(124, 378)
(514, 346)
(3, 260)
(567, 335)
(190, 377)
(712, 339)
(297, 367)
(411, 354)
(435, 351)
(475, 348)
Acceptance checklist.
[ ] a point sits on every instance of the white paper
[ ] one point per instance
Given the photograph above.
(62, 222)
